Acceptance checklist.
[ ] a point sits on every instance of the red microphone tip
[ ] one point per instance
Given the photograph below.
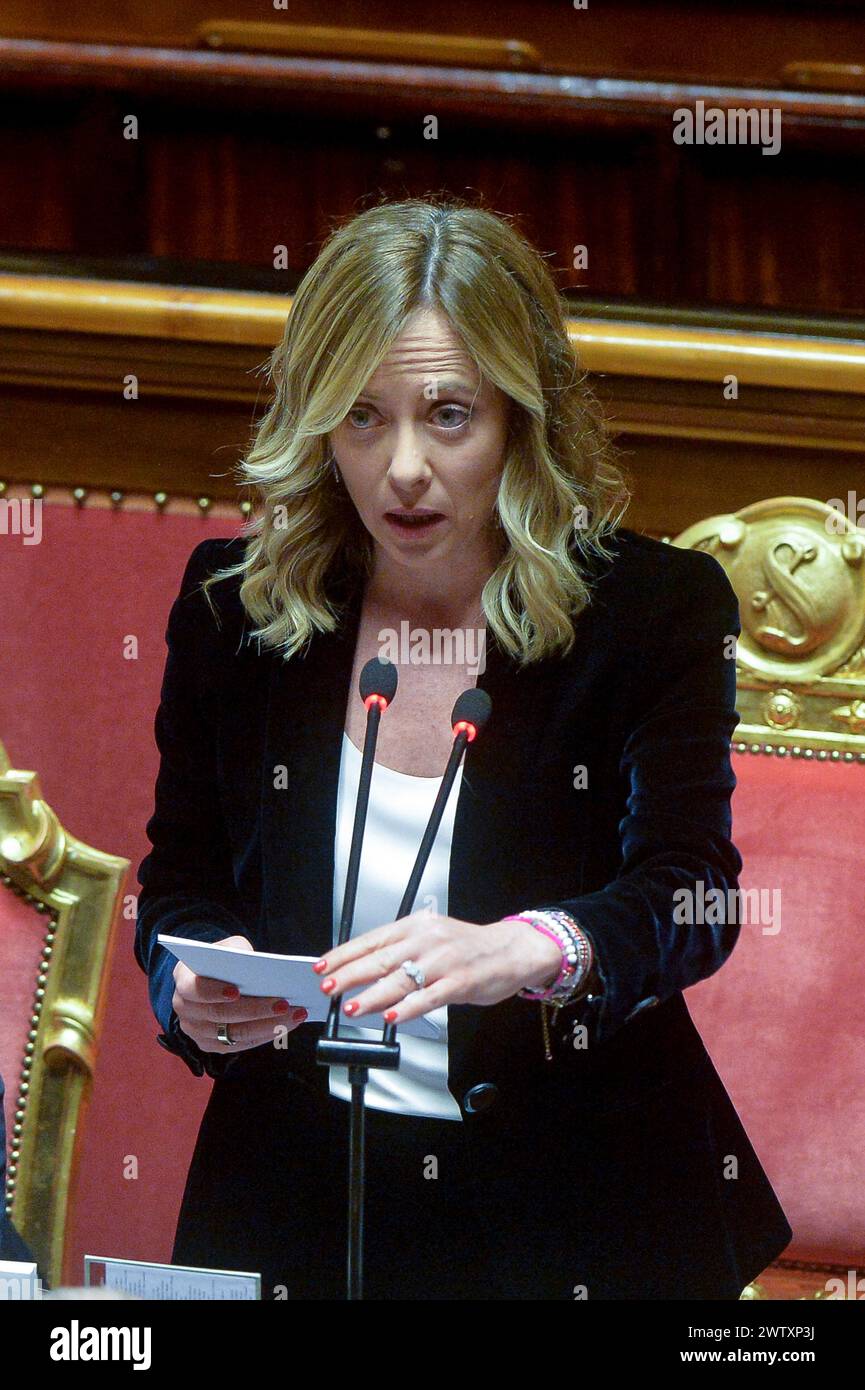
(377, 699)
(465, 724)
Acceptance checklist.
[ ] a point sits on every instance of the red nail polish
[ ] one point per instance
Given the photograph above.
(389, 1016)
(351, 1007)
(319, 966)
(328, 985)
(281, 1006)
(299, 1015)
(230, 992)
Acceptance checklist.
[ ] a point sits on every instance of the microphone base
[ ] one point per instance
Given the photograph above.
(355, 1052)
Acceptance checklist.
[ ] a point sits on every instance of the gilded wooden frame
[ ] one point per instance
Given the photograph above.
(78, 890)
(798, 568)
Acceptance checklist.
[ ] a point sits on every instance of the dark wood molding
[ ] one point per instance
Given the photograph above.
(332, 83)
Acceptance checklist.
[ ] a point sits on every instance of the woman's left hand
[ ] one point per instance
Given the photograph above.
(463, 963)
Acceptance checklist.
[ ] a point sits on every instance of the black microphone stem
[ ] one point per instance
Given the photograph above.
(426, 844)
(352, 872)
(433, 823)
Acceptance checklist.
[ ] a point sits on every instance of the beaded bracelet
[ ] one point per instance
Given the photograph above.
(569, 955)
(576, 949)
(585, 954)
(570, 982)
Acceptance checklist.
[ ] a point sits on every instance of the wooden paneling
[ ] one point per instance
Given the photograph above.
(238, 152)
(717, 227)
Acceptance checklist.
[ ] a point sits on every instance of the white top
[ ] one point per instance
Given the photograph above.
(397, 813)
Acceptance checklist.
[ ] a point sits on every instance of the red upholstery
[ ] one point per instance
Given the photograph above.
(80, 714)
(783, 1018)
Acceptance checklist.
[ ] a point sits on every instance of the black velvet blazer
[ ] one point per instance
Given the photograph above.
(636, 1121)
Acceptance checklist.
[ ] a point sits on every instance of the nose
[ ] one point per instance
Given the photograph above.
(408, 466)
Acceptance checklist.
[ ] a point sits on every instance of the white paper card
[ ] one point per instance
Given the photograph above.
(259, 973)
(173, 1283)
(19, 1279)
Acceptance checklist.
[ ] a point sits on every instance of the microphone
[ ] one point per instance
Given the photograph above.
(468, 718)
(472, 710)
(377, 684)
(378, 678)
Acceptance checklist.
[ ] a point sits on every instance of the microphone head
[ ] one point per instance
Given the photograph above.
(378, 677)
(472, 707)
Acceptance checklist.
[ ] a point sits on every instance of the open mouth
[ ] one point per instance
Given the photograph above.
(424, 521)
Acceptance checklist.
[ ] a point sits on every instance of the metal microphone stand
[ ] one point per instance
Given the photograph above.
(357, 1054)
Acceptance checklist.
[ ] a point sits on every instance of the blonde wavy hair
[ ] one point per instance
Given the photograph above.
(561, 492)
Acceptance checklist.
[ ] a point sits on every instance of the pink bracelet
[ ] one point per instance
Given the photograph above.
(566, 970)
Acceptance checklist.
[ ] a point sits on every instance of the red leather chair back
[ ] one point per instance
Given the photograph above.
(783, 1018)
(76, 709)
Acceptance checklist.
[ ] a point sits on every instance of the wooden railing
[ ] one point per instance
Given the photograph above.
(708, 417)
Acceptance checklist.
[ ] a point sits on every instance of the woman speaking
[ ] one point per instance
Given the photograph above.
(432, 482)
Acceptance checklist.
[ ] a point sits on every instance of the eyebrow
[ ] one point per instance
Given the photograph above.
(450, 384)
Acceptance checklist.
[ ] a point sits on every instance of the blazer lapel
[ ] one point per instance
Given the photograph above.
(300, 779)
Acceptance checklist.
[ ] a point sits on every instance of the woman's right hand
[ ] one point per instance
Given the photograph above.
(202, 1004)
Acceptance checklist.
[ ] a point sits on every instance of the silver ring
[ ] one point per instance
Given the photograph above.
(223, 1035)
(414, 972)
